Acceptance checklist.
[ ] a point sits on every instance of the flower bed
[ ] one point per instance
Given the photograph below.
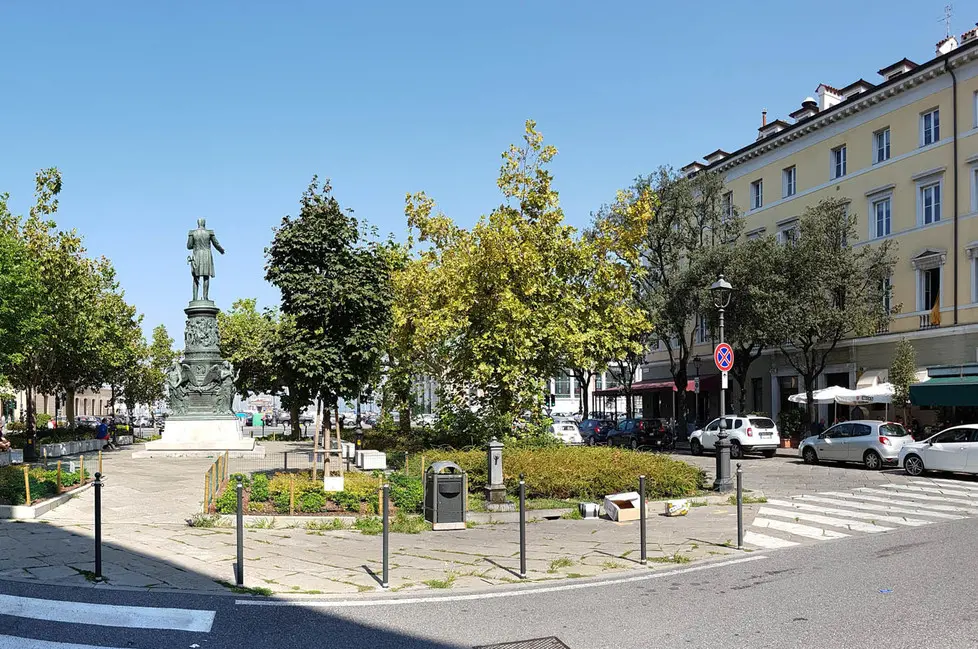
(296, 493)
(44, 484)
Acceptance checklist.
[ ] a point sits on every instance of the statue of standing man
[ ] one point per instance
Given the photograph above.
(201, 260)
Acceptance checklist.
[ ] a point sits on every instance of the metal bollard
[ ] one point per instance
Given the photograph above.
(740, 507)
(285, 459)
(385, 582)
(98, 526)
(522, 527)
(641, 506)
(239, 571)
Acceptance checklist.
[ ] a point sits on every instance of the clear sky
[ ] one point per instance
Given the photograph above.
(160, 112)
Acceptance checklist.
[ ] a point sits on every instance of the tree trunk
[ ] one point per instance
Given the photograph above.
(405, 423)
(809, 406)
(584, 387)
(359, 422)
(294, 415)
(70, 406)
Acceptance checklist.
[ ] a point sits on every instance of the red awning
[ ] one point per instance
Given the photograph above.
(642, 387)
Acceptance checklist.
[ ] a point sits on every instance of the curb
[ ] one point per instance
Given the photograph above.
(32, 512)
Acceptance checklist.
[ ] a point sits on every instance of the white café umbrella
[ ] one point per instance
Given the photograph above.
(831, 394)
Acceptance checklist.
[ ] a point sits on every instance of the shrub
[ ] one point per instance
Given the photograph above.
(234, 477)
(227, 502)
(369, 525)
(346, 500)
(580, 472)
(16, 426)
(259, 487)
(41, 420)
(281, 502)
(407, 492)
(408, 524)
(311, 502)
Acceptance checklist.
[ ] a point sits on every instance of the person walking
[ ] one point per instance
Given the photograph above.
(102, 433)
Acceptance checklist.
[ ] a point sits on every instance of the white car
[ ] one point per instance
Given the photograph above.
(954, 449)
(567, 432)
(747, 434)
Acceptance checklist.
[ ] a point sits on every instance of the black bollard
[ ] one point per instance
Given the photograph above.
(740, 507)
(522, 527)
(239, 572)
(285, 459)
(98, 526)
(641, 505)
(385, 582)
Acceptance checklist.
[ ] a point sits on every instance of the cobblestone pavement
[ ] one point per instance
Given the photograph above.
(148, 543)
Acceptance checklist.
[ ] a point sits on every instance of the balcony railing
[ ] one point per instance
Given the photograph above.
(883, 329)
(925, 322)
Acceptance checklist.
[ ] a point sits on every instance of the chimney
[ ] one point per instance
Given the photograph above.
(946, 45)
(969, 35)
(827, 96)
(808, 108)
(763, 118)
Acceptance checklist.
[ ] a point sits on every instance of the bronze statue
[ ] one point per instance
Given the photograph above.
(201, 259)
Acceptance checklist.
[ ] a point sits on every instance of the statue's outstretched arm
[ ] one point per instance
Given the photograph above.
(217, 246)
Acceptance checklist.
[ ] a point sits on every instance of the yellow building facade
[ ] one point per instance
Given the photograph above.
(903, 150)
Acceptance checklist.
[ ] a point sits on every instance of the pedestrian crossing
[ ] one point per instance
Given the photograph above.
(120, 618)
(833, 515)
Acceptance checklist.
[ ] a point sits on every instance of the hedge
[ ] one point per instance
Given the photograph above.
(44, 484)
(579, 472)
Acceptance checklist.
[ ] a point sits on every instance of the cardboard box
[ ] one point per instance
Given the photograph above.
(623, 506)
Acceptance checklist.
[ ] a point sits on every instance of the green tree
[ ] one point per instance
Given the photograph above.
(500, 298)
(248, 338)
(828, 290)
(335, 281)
(903, 374)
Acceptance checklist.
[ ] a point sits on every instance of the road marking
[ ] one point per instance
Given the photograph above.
(846, 512)
(848, 523)
(138, 617)
(358, 603)
(954, 483)
(15, 642)
(942, 508)
(799, 530)
(878, 508)
(765, 541)
(917, 496)
(935, 490)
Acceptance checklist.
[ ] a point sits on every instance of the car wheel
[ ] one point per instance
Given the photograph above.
(809, 455)
(634, 444)
(736, 450)
(590, 440)
(771, 453)
(872, 460)
(695, 447)
(913, 465)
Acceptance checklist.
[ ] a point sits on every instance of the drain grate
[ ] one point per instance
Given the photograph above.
(537, 643)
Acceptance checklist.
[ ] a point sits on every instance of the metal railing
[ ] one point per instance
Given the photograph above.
(214, 480)
(925, 322)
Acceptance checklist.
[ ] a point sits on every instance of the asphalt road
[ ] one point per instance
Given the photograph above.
(909, 588)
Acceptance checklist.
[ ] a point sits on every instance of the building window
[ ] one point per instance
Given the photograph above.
(702, 329)
(757, 394)
(881, 146)
(974, 189)
(727, 206)
(974, 103)
(929, 289)
(930, 203)
(888, 294)
(789, 232)
(839, 162)
(611, 380)
(756, 194)
(881, 217)
(788, 187)
(562, 387)
(930, 127)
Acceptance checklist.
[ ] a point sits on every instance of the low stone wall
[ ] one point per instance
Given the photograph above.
(5, 458)
(71, 448)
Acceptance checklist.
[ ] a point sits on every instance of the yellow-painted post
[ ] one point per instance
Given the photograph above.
(207, 490)
(59, 476)
(27, 487)
(81, 470)
(226, 456)
(100, 462)
(422, 466)
(291, 495)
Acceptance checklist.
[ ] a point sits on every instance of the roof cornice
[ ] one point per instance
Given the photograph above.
(851, 106)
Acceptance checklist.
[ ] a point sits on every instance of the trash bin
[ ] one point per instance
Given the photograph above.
(445, 495)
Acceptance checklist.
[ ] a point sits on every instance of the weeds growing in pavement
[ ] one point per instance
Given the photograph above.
(245, 590)
(560, 562)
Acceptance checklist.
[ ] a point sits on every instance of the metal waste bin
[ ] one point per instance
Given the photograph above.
(445, 496)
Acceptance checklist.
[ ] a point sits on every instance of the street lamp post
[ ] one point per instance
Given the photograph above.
(697, 361)
(721, 290)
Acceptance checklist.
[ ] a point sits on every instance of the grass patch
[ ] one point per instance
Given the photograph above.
(261, 524)
(613, 565)
(90, 576)
(204, 520)
(572, 515)
(246, 590)
(748, 500)
(698, 503)
(675, 558)
(447, 582)
(408, 524)
(326, 526)
(369, 525)
(575, 575)
(560, 562)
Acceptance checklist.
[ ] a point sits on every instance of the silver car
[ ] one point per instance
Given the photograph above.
(872, 443)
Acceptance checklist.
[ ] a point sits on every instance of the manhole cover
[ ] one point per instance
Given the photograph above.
(538, 643)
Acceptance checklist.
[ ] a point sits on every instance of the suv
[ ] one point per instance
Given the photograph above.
(595, 431)
(872, 443)
(747, 434)
(642, 433)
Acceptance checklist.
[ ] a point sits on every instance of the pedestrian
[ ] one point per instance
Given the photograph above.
(820, 426)
(4, 442)
(102, 433)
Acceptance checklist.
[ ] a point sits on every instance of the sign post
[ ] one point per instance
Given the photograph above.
(723, 356)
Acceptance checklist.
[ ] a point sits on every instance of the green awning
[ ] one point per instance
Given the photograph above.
(946, 391)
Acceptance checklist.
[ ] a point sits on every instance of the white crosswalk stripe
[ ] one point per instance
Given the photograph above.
(831, 521)
(16, 642)
(133, 617)
(833, 515)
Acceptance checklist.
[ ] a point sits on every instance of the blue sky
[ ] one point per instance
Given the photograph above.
(158, 113)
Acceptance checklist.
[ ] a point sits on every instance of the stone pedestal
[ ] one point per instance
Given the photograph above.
(200, 390)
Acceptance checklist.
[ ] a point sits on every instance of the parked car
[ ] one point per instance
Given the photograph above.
(86, 421)
(642, 433)
(869, 442)
(566, 431)
(954, 449)
(595, 431)
(747, 434)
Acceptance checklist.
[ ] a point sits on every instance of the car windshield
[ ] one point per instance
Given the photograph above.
(762, 422)
(893, 430)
